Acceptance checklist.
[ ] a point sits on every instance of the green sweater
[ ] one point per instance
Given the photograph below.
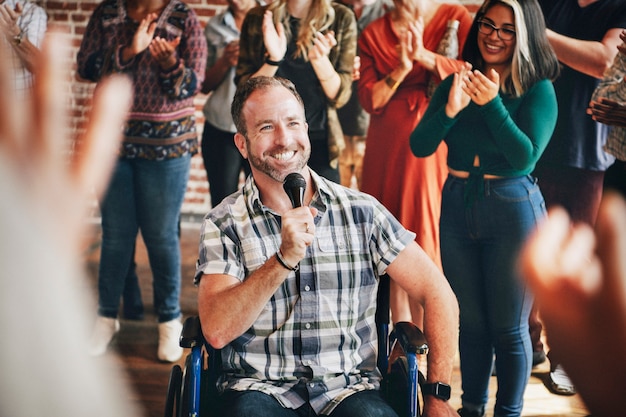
(509, 134)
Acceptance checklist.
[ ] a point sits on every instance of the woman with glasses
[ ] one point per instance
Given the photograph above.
(397, 63)
(496, 116)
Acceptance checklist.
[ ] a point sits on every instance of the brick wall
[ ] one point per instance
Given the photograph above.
(71, 18)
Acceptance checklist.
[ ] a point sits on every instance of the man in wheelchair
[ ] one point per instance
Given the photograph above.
(289, 294)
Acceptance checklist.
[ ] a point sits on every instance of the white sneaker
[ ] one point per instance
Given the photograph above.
(102, 335)
(169, 345)
(560, 382)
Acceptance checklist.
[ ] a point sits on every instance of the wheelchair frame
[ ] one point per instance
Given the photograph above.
(192, 388)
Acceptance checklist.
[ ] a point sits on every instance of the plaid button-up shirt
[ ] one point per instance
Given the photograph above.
(322, 334)
(613, 87)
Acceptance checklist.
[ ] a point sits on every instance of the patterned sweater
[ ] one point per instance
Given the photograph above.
(161, 124)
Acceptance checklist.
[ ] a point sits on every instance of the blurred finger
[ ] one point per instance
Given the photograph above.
(50, 106)
(100, 143)
(611, 233)
(10, 109)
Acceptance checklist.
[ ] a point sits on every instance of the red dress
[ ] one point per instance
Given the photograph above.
(408, 186)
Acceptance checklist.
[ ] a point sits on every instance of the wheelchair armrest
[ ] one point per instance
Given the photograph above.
(411, 338)
(191, 335)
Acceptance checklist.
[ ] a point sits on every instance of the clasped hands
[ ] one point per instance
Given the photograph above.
(162, 50)
(608, 112)
(471, 85)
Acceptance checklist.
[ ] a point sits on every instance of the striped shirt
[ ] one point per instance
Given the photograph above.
(322, 334)
(33, 23)
(613, 87)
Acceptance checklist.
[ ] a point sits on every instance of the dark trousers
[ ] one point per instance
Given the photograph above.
(222, 162)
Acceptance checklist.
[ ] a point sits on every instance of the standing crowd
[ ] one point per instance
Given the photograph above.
(449, 152)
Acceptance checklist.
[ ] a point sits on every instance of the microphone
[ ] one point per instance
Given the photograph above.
(294, 185)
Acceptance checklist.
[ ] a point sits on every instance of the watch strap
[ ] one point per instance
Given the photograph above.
(437, 389)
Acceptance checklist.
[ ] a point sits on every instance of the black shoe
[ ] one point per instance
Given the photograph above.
(464, 412)
(539, 357)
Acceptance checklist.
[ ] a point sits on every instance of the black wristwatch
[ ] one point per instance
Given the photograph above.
(437, 389)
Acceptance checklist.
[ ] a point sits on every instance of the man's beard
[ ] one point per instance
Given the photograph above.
(264, 165)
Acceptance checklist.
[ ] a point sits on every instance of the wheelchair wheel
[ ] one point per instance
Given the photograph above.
(172, 402)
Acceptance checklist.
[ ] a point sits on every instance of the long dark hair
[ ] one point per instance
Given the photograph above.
(533, 57)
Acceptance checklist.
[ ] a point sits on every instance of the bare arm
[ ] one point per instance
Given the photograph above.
(441, 315)
(228, 307)
(589, 57)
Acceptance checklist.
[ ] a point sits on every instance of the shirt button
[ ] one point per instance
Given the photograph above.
(308, 325)
(307, 288)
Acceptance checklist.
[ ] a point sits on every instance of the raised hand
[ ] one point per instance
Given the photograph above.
(415, 41)
(144, 34)
(274, 37)
(8, 20)
(458, 99)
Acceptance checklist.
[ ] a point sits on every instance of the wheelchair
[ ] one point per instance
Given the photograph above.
(192, 390)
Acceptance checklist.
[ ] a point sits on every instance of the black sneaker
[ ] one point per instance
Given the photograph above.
(464, 412)
(539, 357)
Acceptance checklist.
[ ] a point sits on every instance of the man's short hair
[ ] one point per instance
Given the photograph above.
(251, 85)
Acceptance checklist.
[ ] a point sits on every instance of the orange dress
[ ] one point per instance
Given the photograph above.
(408, 186)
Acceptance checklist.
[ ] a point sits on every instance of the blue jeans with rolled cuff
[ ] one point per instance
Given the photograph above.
(143, 195)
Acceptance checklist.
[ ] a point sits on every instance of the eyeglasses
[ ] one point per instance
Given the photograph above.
(487, 28)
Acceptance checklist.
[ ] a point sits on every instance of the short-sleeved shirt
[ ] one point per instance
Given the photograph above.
(578, 141)
(613, 87)
(220, 30)
(323, 331)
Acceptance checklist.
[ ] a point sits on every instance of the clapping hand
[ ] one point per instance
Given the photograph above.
(482, 88)
(144, 34)
(274, 37)
(411, 44)
(231, 53)
(458, 99)
(164, 51)
(322, 44)
(8, 19)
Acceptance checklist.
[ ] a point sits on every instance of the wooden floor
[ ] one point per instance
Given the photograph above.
(134, 348)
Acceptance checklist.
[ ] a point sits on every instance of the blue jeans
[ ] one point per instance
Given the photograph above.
(258, 404)
(480, 243)
(143, 195)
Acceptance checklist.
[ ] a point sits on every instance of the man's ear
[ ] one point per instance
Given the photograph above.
(240, 143)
